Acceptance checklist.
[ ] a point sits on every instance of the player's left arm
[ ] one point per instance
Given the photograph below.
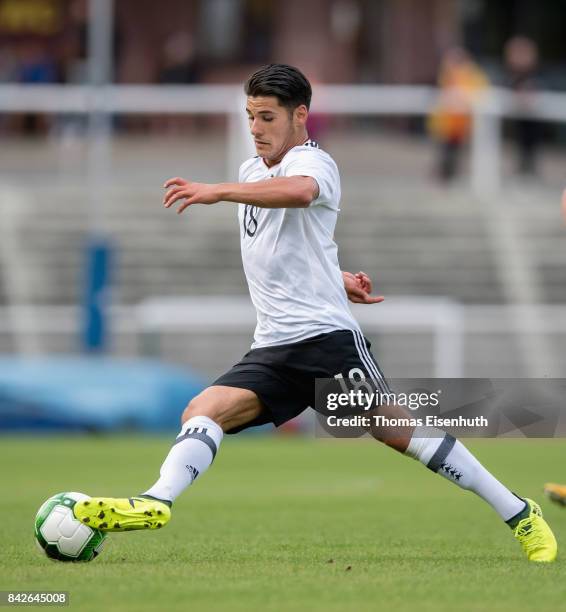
(281, 192)
(359, 287)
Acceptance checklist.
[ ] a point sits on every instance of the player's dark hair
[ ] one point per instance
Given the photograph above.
(286, 83)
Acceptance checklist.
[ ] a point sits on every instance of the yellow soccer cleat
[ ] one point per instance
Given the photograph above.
(556, 492)
(122, 514)
(536, 536)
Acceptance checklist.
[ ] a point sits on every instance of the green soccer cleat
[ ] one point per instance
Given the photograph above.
(536, 536)
(122, 514)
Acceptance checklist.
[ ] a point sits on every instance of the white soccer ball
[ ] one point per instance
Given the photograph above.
(61, 536)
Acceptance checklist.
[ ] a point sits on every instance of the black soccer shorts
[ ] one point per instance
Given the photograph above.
(283, 377)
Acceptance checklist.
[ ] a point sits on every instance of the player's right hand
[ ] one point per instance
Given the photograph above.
(192, 193)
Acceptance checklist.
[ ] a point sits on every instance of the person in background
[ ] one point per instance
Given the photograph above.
(36, 66)
(521, 61)
(461, 82)
(177, 63)
(8, 65)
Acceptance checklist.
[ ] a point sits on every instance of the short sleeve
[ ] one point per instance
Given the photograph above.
(244, 170)
(322, 168)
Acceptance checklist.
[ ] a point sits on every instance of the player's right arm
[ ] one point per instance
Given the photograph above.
(280, 192)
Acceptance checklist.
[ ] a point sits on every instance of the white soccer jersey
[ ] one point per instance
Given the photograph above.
(289, 254)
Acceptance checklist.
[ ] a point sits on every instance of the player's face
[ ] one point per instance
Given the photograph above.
(274, 128)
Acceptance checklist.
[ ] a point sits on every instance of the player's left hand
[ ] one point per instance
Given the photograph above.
(191, 193)
(359, 287)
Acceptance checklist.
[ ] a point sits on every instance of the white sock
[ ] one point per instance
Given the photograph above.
(191, 455)
(447, 456)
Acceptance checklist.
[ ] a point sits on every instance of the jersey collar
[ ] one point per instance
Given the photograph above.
(309, 142)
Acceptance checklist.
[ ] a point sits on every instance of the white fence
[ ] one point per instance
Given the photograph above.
(211, 332)
(371, 100)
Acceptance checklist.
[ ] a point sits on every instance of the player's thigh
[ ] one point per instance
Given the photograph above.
(230, 407)
(359, 366)
(349, 357)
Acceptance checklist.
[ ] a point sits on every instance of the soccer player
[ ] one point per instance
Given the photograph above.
(288, 199)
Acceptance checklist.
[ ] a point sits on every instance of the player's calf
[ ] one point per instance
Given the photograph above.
(190, 456)
(208, 415)
(443, 454)
(397, 437)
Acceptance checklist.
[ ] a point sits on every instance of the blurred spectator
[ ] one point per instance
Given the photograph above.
(461, 81)
(75, 44)
(8, 73)
(178, 64)
(258, 34)
(36, 66)
(521, 61)
(8, 65)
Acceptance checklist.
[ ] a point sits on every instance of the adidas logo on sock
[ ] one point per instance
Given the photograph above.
(193, 471)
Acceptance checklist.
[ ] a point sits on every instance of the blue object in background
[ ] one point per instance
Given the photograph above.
(97, 295)
(67, 394)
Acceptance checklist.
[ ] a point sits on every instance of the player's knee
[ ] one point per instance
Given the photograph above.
(199, 407)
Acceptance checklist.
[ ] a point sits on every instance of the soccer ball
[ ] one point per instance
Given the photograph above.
(61, 536)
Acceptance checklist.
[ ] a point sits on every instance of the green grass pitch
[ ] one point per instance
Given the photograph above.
(287, 524)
